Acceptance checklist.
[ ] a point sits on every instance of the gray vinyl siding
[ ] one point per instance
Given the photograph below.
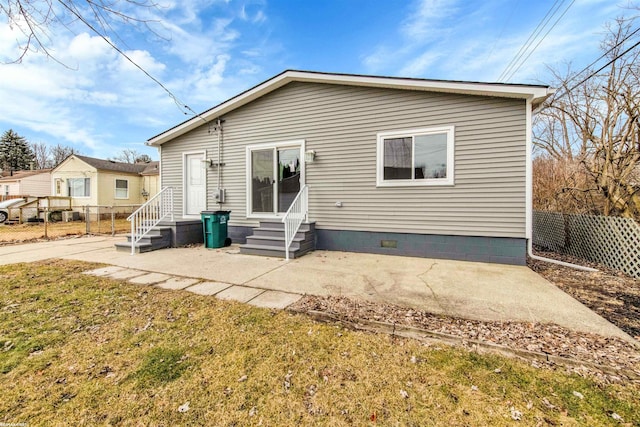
(340, 123)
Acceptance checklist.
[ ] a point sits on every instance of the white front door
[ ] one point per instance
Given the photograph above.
(195, 188)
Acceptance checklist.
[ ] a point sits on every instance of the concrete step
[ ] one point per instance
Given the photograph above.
(274, 241)
(158, 238)
(278, 232)
(268, 240)
(279, 225)
(274, 251)
(139, 247)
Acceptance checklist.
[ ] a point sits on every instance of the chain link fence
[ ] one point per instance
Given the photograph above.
(24, 224)
(611, 241)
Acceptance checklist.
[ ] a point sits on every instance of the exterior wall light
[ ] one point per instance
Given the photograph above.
(309, 156)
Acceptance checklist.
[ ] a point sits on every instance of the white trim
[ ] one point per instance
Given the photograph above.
(115, 189)
(274, 146)
(528, 174)
(449, 180)
(535, 93)
(82, 178)
(184, 182)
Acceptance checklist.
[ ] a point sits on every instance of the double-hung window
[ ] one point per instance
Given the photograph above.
(79, 187)
(416, 157)
(122, 189)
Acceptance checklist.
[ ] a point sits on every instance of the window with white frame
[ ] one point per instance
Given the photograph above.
(79, 187)
(416, 157)
(122, 189)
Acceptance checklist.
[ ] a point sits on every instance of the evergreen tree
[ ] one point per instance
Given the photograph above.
(15, 152)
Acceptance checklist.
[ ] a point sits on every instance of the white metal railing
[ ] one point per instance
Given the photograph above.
(296, 215)
(150, 214)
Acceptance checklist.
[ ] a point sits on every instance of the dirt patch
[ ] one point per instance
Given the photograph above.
(612, 294)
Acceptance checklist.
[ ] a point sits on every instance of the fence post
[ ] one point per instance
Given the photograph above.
(87, 219)
(113, 223)
(46, 221)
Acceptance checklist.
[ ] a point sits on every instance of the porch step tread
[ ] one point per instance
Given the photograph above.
(139, 247)
(276, 238)
(272, 251)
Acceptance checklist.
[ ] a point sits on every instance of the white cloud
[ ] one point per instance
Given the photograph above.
(426, 20)
(421, 64)
(462, 41)
(143, 59)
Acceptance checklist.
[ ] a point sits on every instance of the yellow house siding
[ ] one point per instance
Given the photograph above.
(75, 168)
(106, 188)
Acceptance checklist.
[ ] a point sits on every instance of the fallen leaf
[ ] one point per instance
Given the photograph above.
(404, 394)
(616, 417)
(253, 411)
(242, 379)
(474, 388)
(287, 380)
(183, 408)
(548, 404)
(515, 414)
(578, 394)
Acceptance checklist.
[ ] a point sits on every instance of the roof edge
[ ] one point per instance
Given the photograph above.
(536, 93)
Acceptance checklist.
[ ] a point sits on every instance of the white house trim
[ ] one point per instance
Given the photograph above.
(529, 174)
(449, 180)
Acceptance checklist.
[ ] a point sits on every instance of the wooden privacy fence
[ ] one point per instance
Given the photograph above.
(611, 241)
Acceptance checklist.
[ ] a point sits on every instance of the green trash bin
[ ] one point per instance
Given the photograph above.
(214, 227)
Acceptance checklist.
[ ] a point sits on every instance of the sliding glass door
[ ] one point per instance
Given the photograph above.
(275, 178)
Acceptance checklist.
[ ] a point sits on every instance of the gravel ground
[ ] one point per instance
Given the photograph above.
(613, 295)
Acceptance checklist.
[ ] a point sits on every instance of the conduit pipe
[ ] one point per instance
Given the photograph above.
(219, 130)
(555, 261)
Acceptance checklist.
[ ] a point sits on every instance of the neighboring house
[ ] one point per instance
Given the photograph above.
(393, 165)
(150, 180)
(35, 183)
(91, 182)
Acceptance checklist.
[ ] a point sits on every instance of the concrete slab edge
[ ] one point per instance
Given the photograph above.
(478, 346)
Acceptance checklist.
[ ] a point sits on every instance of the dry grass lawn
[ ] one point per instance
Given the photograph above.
(32, 231)
(82, 350)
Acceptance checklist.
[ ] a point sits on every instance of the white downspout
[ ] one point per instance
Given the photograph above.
(529, 198)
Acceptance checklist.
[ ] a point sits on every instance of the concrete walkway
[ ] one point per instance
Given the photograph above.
(488, 292)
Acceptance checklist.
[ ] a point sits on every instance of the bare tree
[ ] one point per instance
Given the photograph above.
(42, 157)
(59, 153)
(594, 120)
(127, 155)
(36, 18)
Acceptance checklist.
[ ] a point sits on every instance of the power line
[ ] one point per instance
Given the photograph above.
(594, 73)
(541, 40)
(552, 11)
(175, 99)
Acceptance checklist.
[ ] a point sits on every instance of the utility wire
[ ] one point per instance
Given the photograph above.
(594, 73)
(552, 11)
(541, 40)
(175, 99)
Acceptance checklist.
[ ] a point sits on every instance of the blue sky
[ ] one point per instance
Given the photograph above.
(207, 51)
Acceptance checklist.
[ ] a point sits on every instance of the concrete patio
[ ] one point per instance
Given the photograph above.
(488, 292)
